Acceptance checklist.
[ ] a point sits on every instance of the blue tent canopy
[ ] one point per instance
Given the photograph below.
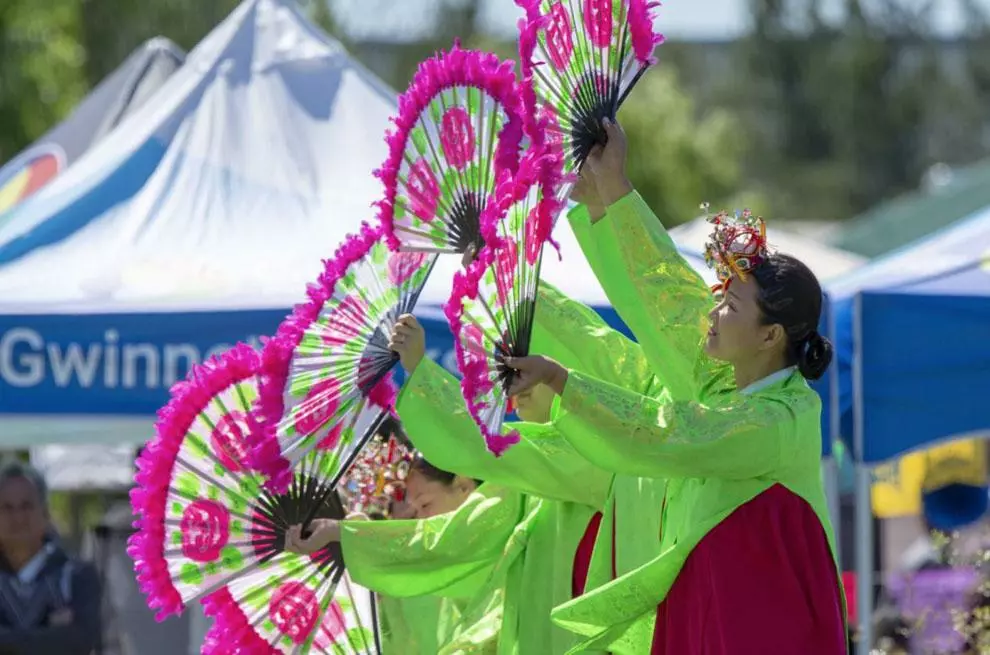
(918, 322)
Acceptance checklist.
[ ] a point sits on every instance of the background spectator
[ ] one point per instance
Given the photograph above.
(49, 602)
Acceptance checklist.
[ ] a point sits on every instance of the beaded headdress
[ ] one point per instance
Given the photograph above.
(377, 477)
(737, 245)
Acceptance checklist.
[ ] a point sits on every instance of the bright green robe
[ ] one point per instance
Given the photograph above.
(412, 625)
(545, 466)
(455, 557)
(717, 448)
(536, 566)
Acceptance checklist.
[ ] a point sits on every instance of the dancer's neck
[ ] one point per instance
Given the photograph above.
(753, 371)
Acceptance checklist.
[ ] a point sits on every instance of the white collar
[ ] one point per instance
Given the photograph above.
(763, 383)
(30, 571)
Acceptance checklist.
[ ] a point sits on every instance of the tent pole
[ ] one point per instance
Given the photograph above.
(830, 475)
(832, 481)
(864, 512)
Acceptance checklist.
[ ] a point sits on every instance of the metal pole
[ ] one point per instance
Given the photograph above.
(832, 485)
(864, 512)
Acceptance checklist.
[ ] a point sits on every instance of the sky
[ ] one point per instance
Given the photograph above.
(408, 20)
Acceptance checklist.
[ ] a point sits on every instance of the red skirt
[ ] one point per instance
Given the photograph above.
(762, 582)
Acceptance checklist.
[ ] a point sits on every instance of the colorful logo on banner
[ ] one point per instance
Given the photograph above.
(897, 487)
(28, 173)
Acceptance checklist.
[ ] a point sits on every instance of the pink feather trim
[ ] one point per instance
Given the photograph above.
(149, 495)
(473, 371)
(538, 166)
(529, 28)
(214, 642)
(644, 38)
(276, 357)
(233, 627)
(445, 70)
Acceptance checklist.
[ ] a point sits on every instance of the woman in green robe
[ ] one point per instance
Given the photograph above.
(746, 559)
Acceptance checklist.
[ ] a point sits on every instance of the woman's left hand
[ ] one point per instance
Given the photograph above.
(534, 370)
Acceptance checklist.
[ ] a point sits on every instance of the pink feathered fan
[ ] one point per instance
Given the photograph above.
(330, 358)
(582, 58)
(492, 307)
(207, 528)
(460, 124)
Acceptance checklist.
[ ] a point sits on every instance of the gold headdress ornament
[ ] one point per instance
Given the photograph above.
(377, 477)
(737, 245)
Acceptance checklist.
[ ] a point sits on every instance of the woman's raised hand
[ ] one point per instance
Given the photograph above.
(606, 165)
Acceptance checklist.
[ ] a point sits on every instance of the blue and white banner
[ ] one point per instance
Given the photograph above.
(124, 364)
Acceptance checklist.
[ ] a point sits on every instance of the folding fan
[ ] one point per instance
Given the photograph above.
(330, 357)
(582, 58)
(492, 306)
(208, 529)
(460, 124)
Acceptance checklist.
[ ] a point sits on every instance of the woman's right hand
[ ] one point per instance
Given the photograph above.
(606, 165)
(408, 339)
(322, 532)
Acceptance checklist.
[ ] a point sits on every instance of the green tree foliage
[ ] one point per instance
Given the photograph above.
(52, 52)
(41, 69)
(848, 113)
(679, 156)
(114, 28)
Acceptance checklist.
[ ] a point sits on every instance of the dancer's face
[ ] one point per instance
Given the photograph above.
(737, 332)
(533, 405)
(432, 497)
(401, 509)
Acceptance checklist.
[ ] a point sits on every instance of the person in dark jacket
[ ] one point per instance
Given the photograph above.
(49, 602)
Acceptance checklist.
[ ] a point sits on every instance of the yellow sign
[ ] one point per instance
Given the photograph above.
(897, 487)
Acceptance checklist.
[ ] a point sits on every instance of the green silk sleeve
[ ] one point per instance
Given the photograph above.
(577, 337)
(631, 434)
(543, 463)
(655, 291)
(450, 555)
(410, 625)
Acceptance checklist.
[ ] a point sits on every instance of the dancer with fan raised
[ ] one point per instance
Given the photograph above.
(746, 550)
(492, 313)
(552, 552)
(208, 530)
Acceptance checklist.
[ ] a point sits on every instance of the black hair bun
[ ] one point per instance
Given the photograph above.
(814, 356)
